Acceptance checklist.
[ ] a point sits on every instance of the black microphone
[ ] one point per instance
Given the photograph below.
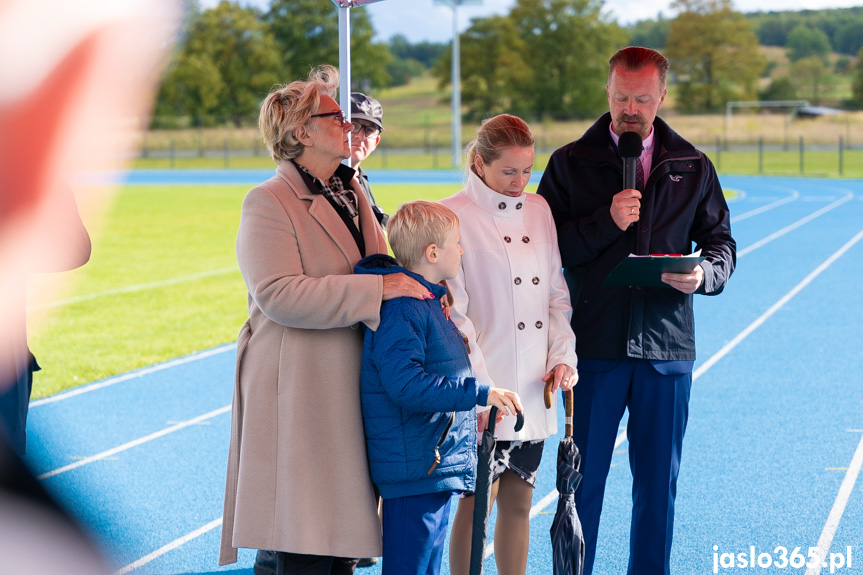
(630, 147)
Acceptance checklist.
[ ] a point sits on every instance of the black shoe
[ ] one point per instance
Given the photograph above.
(367, 561)
(265, 563)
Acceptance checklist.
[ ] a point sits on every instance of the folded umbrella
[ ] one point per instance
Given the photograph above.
(567, 538)
(482, 495)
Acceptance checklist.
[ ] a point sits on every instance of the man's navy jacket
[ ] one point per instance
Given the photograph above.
(682, 205)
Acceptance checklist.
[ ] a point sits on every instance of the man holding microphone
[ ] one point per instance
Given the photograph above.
(636, 345)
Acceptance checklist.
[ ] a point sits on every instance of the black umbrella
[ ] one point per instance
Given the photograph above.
(482, 495)
(567, 538)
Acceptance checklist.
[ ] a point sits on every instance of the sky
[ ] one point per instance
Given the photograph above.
(425, 20)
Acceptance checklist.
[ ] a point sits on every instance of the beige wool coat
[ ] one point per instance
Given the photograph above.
(298, 477)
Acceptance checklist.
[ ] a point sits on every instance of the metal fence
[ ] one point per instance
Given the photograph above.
(841, 158)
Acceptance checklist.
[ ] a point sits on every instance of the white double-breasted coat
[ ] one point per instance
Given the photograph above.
(511, 300)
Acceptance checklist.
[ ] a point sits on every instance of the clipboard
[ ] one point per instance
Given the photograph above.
(647, 271)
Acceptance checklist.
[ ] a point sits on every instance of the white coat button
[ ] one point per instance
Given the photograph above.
(525, 239)
(507, 239)
(501, 206)
(517, 281)
(521, 325)
(539, 325)
(518, 206)
(535, 281)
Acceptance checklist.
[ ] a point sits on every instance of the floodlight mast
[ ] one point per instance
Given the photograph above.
(456, 78)
(344, 7)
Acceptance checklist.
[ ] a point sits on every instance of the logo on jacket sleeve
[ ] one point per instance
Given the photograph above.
(676, 179)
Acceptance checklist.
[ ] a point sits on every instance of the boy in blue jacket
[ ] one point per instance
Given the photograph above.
(419, 394)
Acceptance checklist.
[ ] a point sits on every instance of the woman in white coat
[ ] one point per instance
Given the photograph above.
(512, 303)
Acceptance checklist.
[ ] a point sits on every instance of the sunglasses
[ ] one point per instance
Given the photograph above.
(340, 116)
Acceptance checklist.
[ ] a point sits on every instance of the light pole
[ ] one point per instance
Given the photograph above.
(456, 77)
(345, 53)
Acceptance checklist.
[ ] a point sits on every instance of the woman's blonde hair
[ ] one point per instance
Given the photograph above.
(415, 226)
(286, 108)
(496, 134)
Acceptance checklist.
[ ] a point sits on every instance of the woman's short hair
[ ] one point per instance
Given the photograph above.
(286, 108)
(635, 58)
(415, 226)
(496, 134)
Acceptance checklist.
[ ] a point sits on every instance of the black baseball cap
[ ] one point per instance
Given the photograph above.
(367, 108)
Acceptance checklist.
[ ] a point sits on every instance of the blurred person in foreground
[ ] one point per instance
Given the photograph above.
(66, 97)
(367, 117)
(298, 478)
(511, 302)
(636, 345)
(64, 247)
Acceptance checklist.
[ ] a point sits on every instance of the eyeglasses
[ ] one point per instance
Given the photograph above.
(370, 131)
(340, 116)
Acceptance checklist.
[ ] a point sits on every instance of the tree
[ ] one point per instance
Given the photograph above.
(567, 44)
(411, 60)
(650, 33)
(192, 87)
(491, 68)
(546, 58)
(857, 84)
(307, 33)
(772, 29)
(781, 88)
(401, 70)
(849, 38)
(226, 66)
(714, 55)
(804, 42)
(811, 75)
(427, 53)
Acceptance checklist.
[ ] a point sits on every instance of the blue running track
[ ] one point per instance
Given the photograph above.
(771, 460)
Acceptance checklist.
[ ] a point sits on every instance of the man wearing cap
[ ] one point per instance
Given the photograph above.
(367, 117)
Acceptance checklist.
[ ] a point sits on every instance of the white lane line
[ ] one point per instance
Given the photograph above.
(766, 208)
(135, 288)
(779, 233)
(838, 509)
(133, 375)
(621, 438)
(169, 547)
(135, 442)
(726, 349)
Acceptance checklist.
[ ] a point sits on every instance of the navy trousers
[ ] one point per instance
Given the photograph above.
(414, 529)
(14, 404)
(656, 393)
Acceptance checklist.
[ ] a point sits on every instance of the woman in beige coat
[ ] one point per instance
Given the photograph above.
(298, 479)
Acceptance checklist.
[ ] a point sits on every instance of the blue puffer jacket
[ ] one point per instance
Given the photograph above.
(416, 378)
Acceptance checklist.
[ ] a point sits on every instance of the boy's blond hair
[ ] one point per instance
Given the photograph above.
(415, 226)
